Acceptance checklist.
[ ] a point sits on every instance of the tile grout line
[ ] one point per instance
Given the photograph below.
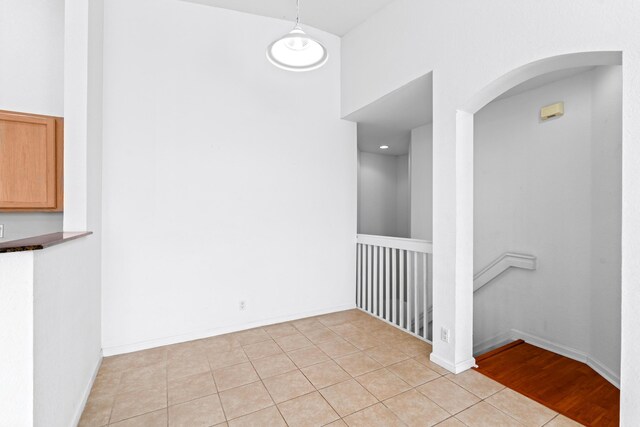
(274, 402)
(500, 410)
(316, 390)
(329, 326)
(268, 392)
(215, 384)
(113, 402)
(166, 377)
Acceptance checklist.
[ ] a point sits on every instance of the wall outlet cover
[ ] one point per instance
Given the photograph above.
(444, 334)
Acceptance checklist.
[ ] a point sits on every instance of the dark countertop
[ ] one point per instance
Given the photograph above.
(40, 242)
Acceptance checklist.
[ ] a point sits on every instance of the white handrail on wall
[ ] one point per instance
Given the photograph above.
(502, 264)
(394, 281)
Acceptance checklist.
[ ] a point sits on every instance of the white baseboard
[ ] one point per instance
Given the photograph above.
(493, 342)
(451, 367)
(465, 365)
(196, 335)
(604, 371)
(86, 393)
(571, 353)
(560, 349)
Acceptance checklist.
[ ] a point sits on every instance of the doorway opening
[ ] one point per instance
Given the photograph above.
(547, 229)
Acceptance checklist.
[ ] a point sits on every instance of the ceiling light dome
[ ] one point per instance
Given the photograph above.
(296, 51)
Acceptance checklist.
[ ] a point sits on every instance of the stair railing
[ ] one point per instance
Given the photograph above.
(394, 281)
(500, 265)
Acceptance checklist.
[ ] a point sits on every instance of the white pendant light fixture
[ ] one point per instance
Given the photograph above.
(296, 51)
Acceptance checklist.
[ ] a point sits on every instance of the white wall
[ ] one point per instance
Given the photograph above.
(539, 191)
(225, 178)
(66, 319)
(16, 357)
(383, 195)
(32, 46)
(532, 196)
(52, 349)
(465, 45)
(377, 194)
(27, 224)
(422, 182)
(31, 76)
(606, 206)
(403, 197)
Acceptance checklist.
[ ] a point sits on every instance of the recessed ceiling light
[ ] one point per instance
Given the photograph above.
(384, 147)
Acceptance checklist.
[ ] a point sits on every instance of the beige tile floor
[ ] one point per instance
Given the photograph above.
(345, 368)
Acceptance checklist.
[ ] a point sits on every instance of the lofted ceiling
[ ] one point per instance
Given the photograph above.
(389, 120)
(334, 16)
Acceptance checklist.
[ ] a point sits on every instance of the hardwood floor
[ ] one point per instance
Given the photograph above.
(562, 384)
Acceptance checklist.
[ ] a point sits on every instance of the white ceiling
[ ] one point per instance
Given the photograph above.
(389, 120)
(371, 137)
(334, 16)
(542, 80)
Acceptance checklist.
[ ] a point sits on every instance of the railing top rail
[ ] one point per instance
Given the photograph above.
(515, 257)
(414, 245)
(502, 264)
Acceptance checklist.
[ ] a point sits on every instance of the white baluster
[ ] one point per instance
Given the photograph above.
(374, 309)
(365, 275)
(369, 276)
(409, 274)
(425, 288)
(430, 288)
(363, 290)
(358, 276)
(416, 314)
(387, 283)
(394, 281)
(402, 304)
(394, 285)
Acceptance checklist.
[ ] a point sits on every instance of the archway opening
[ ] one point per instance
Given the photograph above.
(547, 217)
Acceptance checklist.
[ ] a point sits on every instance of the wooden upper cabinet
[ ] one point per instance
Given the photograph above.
(30, 162)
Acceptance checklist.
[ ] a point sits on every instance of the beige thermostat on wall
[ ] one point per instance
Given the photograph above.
(551, 111)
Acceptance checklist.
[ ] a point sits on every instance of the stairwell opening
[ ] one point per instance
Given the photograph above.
(395, 208)
(547, 210)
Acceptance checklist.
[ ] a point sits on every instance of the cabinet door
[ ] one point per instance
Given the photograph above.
(27, 162)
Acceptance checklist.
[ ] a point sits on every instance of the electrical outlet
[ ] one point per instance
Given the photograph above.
(1, 231)
(444, 334)
(243, 305)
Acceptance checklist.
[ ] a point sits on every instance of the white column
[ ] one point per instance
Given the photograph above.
(82, 113)
(453, 238)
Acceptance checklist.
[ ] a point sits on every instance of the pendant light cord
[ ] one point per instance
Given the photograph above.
(297, 12)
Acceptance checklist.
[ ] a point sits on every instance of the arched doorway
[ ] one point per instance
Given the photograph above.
(570, 235)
